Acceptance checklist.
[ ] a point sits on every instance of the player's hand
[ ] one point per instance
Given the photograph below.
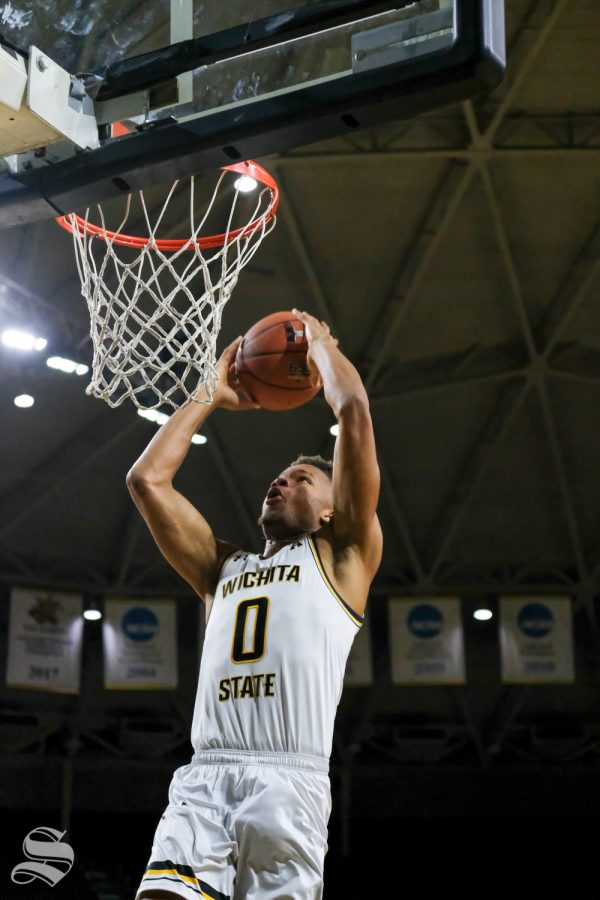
(316, 333)
(229, 393)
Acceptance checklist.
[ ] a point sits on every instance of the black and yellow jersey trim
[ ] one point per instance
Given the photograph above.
(358, 620)
(167, 870)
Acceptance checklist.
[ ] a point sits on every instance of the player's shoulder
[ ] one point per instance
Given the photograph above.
(226, 552)
(339, 548)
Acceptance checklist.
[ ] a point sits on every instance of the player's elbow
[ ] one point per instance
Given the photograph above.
(139, 482)
(354, 407)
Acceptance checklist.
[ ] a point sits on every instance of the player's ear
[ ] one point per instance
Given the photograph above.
(326, 517)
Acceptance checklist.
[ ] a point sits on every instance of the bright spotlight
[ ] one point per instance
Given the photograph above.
(153, 415)
(483, 614)
(66, 365)
(159, 418)
(334, 430)
(92, 615)
(22, 340)
(24, 401)
(245, 184)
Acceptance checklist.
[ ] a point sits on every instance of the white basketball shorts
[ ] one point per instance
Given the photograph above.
(243, 825)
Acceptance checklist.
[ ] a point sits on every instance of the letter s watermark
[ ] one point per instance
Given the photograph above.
(44, 846)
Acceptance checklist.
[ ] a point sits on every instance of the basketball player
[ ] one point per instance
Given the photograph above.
(247, 818)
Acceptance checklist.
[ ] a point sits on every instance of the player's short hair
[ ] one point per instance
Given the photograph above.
(325, 465)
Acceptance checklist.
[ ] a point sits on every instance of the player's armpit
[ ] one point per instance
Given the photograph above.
(356, 483)
(181, 533)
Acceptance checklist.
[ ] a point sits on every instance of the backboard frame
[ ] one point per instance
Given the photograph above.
(179, 142)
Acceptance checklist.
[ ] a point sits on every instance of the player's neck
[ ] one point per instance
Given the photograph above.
(274, 546)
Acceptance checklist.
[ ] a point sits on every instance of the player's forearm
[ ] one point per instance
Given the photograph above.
(168, 448)
(342, 384)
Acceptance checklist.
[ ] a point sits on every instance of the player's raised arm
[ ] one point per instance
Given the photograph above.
(182, 534)
(356, 477)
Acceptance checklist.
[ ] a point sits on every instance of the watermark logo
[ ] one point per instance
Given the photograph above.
(50, 858)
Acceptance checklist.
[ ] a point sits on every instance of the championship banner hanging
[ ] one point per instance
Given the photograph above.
(140, 647)
(44, 643)
(359, 668)
(426, 638)
(536, 639)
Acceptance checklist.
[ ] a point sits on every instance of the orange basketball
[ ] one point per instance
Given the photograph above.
(271, 363)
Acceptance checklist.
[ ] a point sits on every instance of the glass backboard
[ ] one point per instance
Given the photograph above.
(200, 85)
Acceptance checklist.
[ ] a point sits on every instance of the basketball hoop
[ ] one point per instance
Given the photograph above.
(156, 303)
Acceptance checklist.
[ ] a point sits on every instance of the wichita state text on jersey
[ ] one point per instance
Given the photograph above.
(275, 651)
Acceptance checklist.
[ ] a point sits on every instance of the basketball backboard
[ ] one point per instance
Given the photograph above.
(198, 85)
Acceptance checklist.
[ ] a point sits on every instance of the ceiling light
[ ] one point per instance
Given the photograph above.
(153, 415)
(24, 400)
(22, 340)
(66, 365)
(483, 614)
(92, 612)
(92, 615)
(245, 184)
(159, 418)
(334, 430)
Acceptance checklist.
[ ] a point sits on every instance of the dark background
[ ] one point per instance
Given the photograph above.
(456, 256)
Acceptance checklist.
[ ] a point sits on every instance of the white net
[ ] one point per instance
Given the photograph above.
(156, 304)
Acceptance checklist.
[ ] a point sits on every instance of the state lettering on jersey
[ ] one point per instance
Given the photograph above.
(264, 576)
(241, 686)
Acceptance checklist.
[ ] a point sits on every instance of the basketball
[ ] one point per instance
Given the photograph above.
(271, 363)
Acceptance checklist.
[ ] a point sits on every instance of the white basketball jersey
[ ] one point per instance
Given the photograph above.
(275, 650)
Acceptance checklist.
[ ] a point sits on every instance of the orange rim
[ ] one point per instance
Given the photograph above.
(72, 222)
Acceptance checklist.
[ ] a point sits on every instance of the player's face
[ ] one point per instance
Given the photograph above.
(299, 501)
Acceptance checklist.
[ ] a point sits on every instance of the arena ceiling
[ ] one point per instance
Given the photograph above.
(456, 257)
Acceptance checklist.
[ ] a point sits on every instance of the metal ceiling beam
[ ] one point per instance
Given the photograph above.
(516, 290)
(23, 568)
(524, 68)
(473, 726)
(30, 304)
(125, 546)
(78, 583)
(441, 385)
(578, 282)
(465, 579)
(466, 583)
(232, 487)
(387, 333)
(27, 497)
(390, 497)
(513, 700)
(542, 392)
(482, 453)
(299, 242)
(409, 264)
(416, 266)
(559, 466)
(593, 380)
(471, 121)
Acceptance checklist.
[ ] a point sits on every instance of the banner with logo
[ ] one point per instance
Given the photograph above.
(536, 640)
(140, 644)
(44, 642)
(426, 638)
(359, 668)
